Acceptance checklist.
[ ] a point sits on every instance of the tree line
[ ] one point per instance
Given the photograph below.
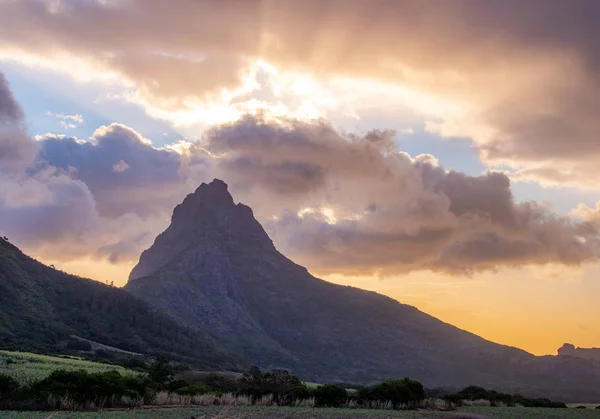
(85, 390)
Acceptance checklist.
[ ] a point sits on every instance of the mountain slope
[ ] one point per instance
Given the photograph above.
(216, 269)
(40, 307)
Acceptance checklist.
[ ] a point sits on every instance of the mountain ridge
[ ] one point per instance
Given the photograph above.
(215, 269)
(42, 307)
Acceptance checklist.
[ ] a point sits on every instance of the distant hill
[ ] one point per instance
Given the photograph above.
(215, 269)
(569, 349)
(41, 307)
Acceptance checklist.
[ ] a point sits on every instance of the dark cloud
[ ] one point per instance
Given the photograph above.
(16, 149)
(10, 111)
(148, 179)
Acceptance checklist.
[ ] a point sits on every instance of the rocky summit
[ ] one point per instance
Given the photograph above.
(216, 270)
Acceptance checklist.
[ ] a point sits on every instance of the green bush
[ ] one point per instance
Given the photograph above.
(330, 395)
(221, 383)
(161, 372)
(9, 389)
(84, 388)
(299, 392)
(405, 392)
(494, 397)
(284, 387)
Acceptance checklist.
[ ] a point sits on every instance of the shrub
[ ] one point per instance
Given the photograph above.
(474, 393)
(9, 389)
(161, 372)
(330, 395)
(283, 387)
(85, 389)
(299, 392)
(221, 383)
(405, 392)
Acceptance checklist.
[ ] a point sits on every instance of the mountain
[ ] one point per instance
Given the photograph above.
(215, 269)
(569, 349)
(41, 307)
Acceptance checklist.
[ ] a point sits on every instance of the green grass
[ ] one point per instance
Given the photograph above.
(256, 412)
(27, 367)
(311, 385)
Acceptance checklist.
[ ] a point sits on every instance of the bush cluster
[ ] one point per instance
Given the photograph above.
(85, 390)
(401, 393)
(81, 388)
(495, 398)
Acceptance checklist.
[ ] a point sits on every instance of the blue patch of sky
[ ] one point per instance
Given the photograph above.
(452, 153)
(562, 199)
(40, 92)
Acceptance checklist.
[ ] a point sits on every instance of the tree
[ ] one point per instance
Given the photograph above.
(398, 392)
(280, 383)
(161, 371)
(9, 388)
(330, 395)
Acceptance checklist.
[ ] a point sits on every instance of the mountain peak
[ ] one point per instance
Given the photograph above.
(216, 184)
(215, 191)
(205, 221)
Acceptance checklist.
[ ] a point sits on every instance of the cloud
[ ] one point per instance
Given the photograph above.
(10, 110)
(17, 151)
(47, 210)
(43, 207)
(67, 121)
(351, 204)
(337, 202)
(146, 181)
(491, 71)
(120, 167)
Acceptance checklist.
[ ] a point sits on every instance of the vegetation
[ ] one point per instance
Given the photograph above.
(167, 383)
(405, 392)
(82, 389)
(43, 308)
(26, 367)
(474, 393)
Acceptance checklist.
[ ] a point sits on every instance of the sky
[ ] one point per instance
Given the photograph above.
(442, 153)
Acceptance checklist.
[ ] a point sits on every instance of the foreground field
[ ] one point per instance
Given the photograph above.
(254, 412)
(27, 367)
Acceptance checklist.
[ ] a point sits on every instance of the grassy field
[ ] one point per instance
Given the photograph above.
(256, 412)
(26, 367)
